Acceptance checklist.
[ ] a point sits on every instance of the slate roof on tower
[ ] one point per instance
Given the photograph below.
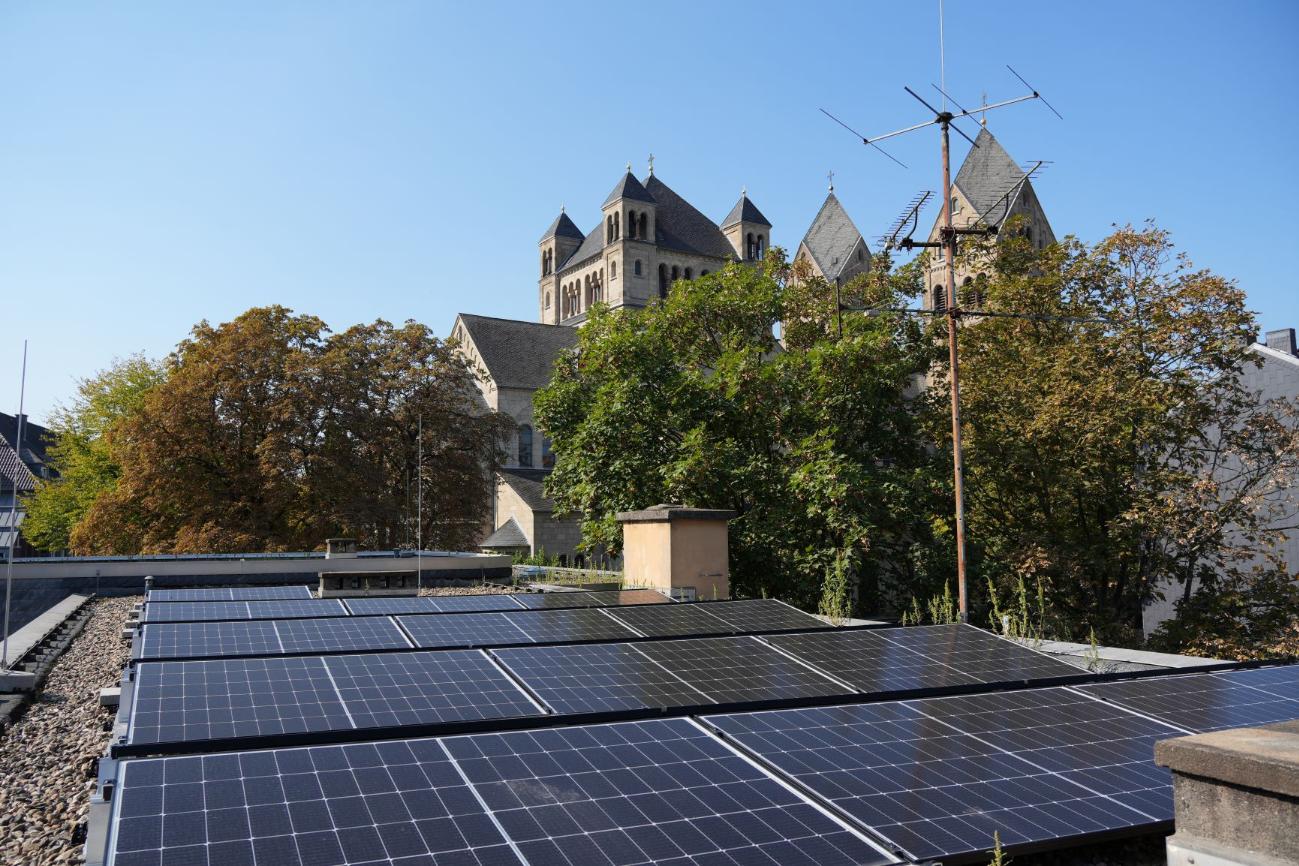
(678, 225)
(987, 176)
(745, 211)
(832, 238)
(518, 354)
(563, 227)
(628, 187)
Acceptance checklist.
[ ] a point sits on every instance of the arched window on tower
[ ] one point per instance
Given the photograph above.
(617, 226)
(608, 229)
(547, 453)
(748, 247)
(637, 268)
(525, 446)
(663, 281)
(640, 228)
(547, 300)
(762, 246)
(940, 298)
(613, 270)
(676, 273)
(690, 275)
(631, 225)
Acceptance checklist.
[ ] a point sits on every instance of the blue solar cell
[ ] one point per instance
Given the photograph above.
(199, 611)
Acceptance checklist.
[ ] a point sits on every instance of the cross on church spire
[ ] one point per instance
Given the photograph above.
(651, 165)
(830, 176)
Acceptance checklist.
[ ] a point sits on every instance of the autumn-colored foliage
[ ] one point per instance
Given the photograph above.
(269, 433)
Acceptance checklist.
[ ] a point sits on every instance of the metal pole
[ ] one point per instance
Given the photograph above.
(13, 514)
(419, 509)
(958, 461)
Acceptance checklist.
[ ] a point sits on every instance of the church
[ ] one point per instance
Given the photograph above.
(647, 238)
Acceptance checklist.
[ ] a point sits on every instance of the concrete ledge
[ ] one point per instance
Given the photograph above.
(671, 513)
(1236, 794)
(1266, 758)
(22, 641)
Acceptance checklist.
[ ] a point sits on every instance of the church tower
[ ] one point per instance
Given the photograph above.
(559, 242)
(630, 223)
(747, 229)
(833, 247)
(989, 189)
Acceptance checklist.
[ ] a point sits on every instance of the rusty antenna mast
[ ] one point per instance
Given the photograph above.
(948, 233)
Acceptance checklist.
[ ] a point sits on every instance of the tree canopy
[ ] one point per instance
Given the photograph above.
(812, 440)
(270, 433)
(1112, 452)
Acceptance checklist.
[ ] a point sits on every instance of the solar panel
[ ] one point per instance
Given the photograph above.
(568, 626)
(924, 657)
(590, 678)
(550, 600)
(870, 661)
(367, 803)
(600, 598)
(390, 689)
(390, 606)
(341, 634)
(470, 603)
(1280, 681)
(981, 654)
(235, 593)
(1207, 702)
(670, 620)
(620, 597)
(655, 792)
(468, 629)
(206, 700)
(937, 777)
(184, 640)
(737, 669)
(195, 611)
(762, 614)
(201, 639)
(194, 701)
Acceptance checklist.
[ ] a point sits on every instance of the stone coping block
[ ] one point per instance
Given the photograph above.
(1266, 758)
(669, 513)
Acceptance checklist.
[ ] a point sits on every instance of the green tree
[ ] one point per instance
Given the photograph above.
(82, 450)
(271, 434)
(813, 439)
(1095, 433)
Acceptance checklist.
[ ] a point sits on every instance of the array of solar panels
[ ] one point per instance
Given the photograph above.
(360, 633)
(842, 774)
(212, 605)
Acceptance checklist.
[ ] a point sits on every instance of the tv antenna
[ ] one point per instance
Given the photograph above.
(910, 216)
(945, 120)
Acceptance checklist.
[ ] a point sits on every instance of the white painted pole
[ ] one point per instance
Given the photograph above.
(13, 514)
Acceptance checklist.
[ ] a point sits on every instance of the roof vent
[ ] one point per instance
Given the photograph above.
(1282, 340)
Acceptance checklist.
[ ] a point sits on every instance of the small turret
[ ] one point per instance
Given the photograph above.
(747, 229)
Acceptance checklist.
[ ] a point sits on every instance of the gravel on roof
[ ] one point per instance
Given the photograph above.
(46, 756)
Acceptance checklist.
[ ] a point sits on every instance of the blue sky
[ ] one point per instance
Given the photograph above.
(162, 163)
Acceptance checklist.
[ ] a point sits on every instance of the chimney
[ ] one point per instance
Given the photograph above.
(1282, 341)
